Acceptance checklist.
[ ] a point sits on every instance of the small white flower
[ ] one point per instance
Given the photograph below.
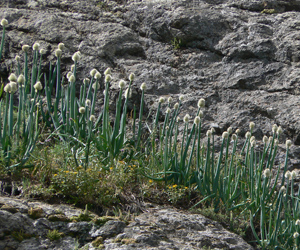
(72, 78)
(253, 143)
(267, 173)
(14, 87)
(288, 175)
(276, 142)
(209, 133)
(127, 93)
(76, 56)
(168, 111)
(161, 100)
(143, 86)
(274, 129)
(265, 139)
(229, 130)
(282, 189)
(237, 131)
(17, 58)
(294, 174)
(131, 77)
(177, 119)
(38, 86)
(252, 138)
(61, 46)
(86, 81)
(122, 84)
(107, 71)
(72, 67)
(7, 88)
(82, 110)
(186, 118)
(248, 135)
(201, 114)
(97, 76)
(288, 143)
(170, 99)
(69, 75)
(213, 130)
(176, 105)
(42, 51)
(251, 125)
(21, 79)
(201, 103)
(92, 118)
(296, 235)
(58, 53)
(4, 22)
(234, 137)
(87, 102)
(12, 77)
(107, 78)
(93, 72)
(96, 85)
(297, 223)
(225, 135)
(36, 46)
(25, 47)
(279, 131)
(181, 98)
(197, 120)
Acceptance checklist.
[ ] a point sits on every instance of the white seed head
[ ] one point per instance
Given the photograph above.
(252, 138)
(161, 100)
(76, 56)
(107, 71)
(143, 86)
(87, 102)
(297, 223)
(25, 47)
(225, 135)
(72, 78)
(288, 175)
(36, 46)
(282, 189)
(58, 53)
(92, 118)
(61, 46)
(21, 79)
(265, 139)
(274, 129)
(288, 143)
(253, 143)
(69, 75)
(267, 173)
(13, 86)
(181, 98)
(176, 105)
(213, 130)
(234, 137)
(201, 114)
(248, 135)
(177, 119)
(131, 77)
(276, 142)
(122, 84)
(96, 85)
(17, 58)
(72, 67)
(12, 77)
(42, 51)
(82, 110)
(7, 88)
(38, 86)
(170, 99)
(237, 131)
(201, 103)
(279, 131)
(197, 120)
(107, 78)
(229, 130)
(93, 72)
(127, 93)
(97, 76)
(168, 111)
(4, 22)
(294, 174)
(251, 125)
(209, 133)
(296, 235)
(186, 118)
(86, 80)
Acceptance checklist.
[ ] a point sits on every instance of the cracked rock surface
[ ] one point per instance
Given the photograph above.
(25, 225)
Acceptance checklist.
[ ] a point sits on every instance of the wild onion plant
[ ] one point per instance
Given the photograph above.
(4, 23)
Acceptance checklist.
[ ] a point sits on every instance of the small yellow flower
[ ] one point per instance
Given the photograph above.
(185, 187)
(111, 168)
(67, 172)
(150, 181)
(55, 175)
(174, 186)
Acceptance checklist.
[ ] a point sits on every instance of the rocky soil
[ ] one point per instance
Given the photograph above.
(27, 225)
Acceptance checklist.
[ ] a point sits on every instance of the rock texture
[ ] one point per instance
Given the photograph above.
(25, 225)
(242, 56)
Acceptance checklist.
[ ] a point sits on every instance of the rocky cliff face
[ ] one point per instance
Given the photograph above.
(241, 56)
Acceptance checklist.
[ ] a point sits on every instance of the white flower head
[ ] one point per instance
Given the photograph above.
(251, 125)
(107, 71)
(131, 77)
(82, 110)
(294, 174)
(86, 81)
(7, 88)
(12, 77)
(279, 131)
(181, 98)
(297, 223)
(274, 128)
(288, 175)
(122, 84)
(176, 105)
(252, 138)
(58, 53)
(234, 137)
(127, 93)
(76, 56)
(225, 135)
(97, 75)
(170, 99)
(186, 118)
(296, 235)
(87, 102)
(14, 87)
(36, 46)
(96, 85)
(276, 142)
(253, 143)
(201, 114)
(229, 130)
(92, 118)
(161, 100)
(267, 173)
(282, 189)
(209, 133)
(143, 86)
(72, 67)
(17, 58)
(25, 47)
(21, 79)
(213, 130)
(197, 120)
(237, 131)
(93, 72)
(61, 46)
(69, 75)
(168, 111)
(248, 135)
(107, 78)
(177, 119)
(4, 22)
(38, 86)
(288, 143)
(265, 139)
(42, 51)
(201, 103)
(72, 78)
